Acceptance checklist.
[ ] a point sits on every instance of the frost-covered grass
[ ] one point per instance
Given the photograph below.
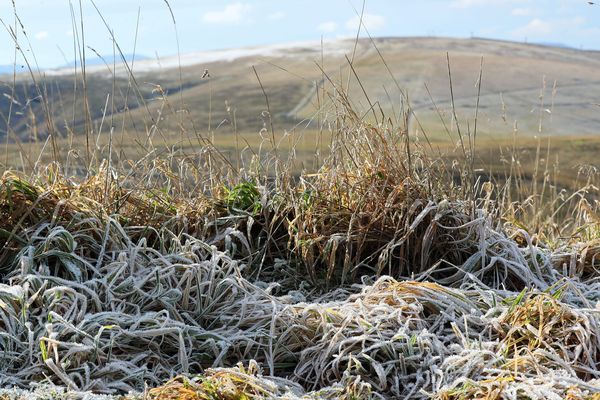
(387, 274)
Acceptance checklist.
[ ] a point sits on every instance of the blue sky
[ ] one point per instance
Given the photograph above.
(211, 24)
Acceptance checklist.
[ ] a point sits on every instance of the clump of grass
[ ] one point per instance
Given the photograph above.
(515, 387)
(369, 210)
(487, 390)
(380, 205)
(245, 383)
(537, 330)
(223, 384)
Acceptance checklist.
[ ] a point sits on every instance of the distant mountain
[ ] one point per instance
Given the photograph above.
(553, 44)
(106, 59)
(8, 69)
(91, 61)
(545, 44)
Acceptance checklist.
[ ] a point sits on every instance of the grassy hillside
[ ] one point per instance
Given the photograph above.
(514, 78)
(217, 98)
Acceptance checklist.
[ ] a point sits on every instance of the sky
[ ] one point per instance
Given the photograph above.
(209, 24)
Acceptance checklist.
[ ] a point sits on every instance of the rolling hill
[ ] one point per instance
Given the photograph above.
(524, 85)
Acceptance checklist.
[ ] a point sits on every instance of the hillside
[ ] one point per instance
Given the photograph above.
(515, 76)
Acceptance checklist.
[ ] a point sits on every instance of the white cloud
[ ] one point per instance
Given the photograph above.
(371, 21)
(41, 35)
(541, 29)
(467, 3)
(522, 12)
(535, 28)
(232, 14)
(276, 16)
(327, 27)
(474, 3)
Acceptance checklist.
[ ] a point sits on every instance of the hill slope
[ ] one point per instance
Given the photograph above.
(521, 82)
